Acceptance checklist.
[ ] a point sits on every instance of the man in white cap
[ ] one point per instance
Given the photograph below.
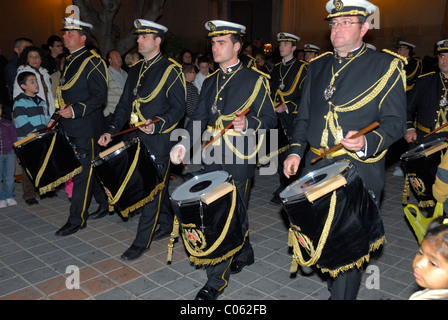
(286, 90)
(428, 102)
(344, 92)
(225, 95)
(154, 90)
(414, 66)
(83, 84)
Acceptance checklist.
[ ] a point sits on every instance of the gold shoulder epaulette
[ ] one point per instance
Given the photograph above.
(95, 53)
(396, 55)
(321, 55)
(175, 62)
(212, 73)
(261, 72)
(426, 74)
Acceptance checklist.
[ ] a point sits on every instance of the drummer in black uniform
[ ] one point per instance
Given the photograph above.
(155, 90)
(428, 102)
(225, 94)
(414, 66)
(83, 84)
(287, 81)
(344, 92)
(311, 51)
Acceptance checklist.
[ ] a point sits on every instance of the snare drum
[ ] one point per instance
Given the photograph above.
(129, 175)
(333, 218)
(420, 166)
(48, 159)
(207, 208)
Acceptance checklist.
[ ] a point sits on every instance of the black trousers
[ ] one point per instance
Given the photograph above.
(218, 275)
(85, 184)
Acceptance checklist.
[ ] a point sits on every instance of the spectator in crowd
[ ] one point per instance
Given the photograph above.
(117, 79)
(204, 71)
(8, 136)
(56, 47)
(192, 92)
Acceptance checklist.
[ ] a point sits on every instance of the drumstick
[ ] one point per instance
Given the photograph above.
(134, 128)
(223, 131)
(55, 120)
(435, 130)
(339, 146)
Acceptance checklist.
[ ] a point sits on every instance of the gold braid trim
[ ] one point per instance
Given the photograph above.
(144, 201)
(60, 181)
(59, 101)
(406, 190)
(316, 253)
(137, 102)
(265, 159)
(220, 126)
(197, 257)
(297, 257)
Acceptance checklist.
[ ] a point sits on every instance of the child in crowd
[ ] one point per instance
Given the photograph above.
(431, 263)
(204, 71)
(29, 116)
(192, 92)
(8, 136)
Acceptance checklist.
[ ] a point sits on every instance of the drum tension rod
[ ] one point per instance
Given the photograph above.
(201, 213)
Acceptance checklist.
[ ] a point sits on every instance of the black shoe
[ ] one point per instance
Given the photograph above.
(207, 293)
(133, 253)
(237, 266)
(161, 234)
(69, 228)
(100, 213)
(31, 201)
(275, 200)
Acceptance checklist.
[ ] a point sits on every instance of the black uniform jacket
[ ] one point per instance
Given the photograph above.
(154, 90)
(83, 84)
(369, 87)
(292, 74)
(239, 89)
(424, 111)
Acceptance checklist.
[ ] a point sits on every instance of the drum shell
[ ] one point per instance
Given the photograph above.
(62, 163)
(214, 219)
(143, 184)
(424, 169)
(356, 226)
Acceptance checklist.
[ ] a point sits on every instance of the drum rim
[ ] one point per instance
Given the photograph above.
(198, 195)
(40, 136)
(412, 154)
(343, 164)
(127, 144)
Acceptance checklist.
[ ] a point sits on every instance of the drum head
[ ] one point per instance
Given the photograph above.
(297, 189)
(198, 185)
(418, 151)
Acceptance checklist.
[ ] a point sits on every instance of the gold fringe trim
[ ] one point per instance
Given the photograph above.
(142, 202)
(406, 190)
(64, 179)
(174, 235)
(366, 258)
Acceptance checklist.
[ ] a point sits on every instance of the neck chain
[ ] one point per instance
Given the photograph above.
(282, 84)
(218, 90)
(444, 100)
(330, 90)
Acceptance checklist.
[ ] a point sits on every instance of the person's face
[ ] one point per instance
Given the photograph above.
(22, 46)
(309, 56)
(443, 63)
(57, 48)
(115, 59)
(404, 52)
(430, 267)
(345, 40)
(147, 45)
(190, 76)
(224, 51)
(73, 40)
(187, 58)
(286, 49)
(31, 85)
(34, 59)
(203, 68)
